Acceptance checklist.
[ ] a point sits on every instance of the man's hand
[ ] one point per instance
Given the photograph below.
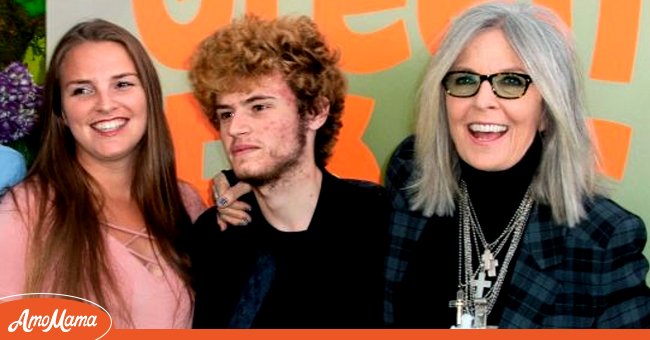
(231, 211)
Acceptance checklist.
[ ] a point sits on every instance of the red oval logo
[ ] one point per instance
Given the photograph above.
(52, 316)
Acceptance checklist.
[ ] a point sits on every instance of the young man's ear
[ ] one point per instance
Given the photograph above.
(321, 111)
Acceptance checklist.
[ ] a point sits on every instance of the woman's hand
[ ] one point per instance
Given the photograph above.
(230, 210)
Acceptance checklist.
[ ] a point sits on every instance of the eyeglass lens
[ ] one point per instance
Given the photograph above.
(505, 85)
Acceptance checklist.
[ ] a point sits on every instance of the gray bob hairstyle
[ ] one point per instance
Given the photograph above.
(567, 173)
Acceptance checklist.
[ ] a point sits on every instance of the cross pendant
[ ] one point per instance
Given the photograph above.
(489, 263)
(459, 304)
(481, 284)
(480, 317)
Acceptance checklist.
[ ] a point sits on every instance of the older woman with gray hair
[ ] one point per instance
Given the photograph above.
(499, 218)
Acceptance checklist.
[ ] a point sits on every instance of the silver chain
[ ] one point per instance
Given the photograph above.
(471, 236)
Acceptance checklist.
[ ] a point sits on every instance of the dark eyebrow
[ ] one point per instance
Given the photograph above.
(86, 81)
(222, 106)
(77, 82)
(123, 75)
(256, 98)
(245, 101)
(507, 70)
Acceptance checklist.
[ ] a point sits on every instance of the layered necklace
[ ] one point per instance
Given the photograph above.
(477, 260)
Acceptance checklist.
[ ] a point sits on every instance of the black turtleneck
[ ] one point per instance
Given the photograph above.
(496, 195)
(431, 279)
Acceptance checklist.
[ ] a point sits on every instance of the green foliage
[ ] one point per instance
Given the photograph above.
(18, 31)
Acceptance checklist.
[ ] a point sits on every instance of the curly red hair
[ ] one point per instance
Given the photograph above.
(235, 57)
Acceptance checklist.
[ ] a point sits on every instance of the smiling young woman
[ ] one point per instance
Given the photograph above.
(100, 213)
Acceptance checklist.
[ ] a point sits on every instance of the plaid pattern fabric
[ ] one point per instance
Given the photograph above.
(405, 225)
(589, 276)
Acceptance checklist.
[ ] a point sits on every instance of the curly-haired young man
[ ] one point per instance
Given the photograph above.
(313, 255)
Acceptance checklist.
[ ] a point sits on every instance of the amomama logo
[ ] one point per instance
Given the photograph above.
(52, 316)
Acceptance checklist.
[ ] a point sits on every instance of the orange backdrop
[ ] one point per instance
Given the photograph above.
(171, 43)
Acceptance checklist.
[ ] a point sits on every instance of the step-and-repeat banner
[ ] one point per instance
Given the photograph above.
(385, 45)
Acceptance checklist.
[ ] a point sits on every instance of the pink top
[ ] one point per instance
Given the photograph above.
(154, 300)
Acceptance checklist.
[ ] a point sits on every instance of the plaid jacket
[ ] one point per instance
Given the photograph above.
(589, 276)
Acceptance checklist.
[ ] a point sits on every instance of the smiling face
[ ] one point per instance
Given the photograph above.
(262, 132)
(492, 133)
(104, 103)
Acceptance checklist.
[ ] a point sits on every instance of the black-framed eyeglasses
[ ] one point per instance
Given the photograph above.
(506, 85)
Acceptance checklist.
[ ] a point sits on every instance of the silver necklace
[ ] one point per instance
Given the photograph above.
(471, 299)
